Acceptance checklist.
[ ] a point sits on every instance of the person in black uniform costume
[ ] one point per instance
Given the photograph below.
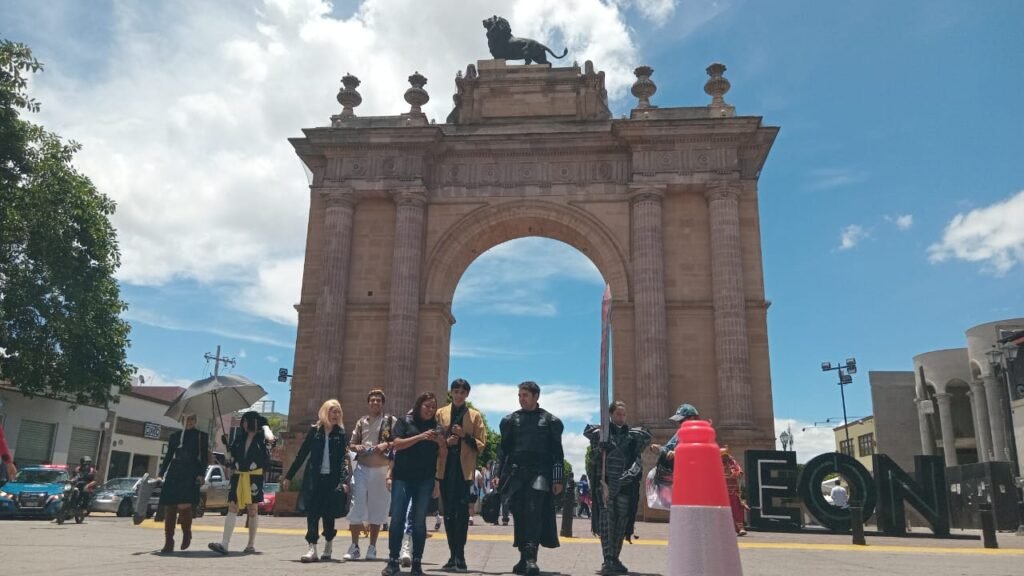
(182, 473)
(248, 457)
(530, 461)
(616, 467)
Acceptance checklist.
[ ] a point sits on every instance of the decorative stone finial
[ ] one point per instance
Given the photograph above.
(717, 86)
(348, 97)
(417, 96)
(644, 88)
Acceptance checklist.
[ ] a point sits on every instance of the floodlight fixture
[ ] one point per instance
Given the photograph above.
(826, 366)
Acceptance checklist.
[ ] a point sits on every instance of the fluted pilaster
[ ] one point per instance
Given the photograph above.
(995, 398)
(982, 432)
(925, 429)
(946, 422)
(651, 340)
(403, 319)
(329, 337)
(731, 350)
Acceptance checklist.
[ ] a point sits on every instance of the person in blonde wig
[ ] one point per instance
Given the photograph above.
(325, 453)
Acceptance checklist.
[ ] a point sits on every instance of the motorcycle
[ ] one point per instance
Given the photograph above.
(73, 505)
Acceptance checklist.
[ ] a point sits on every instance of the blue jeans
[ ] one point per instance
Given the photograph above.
(403, 493)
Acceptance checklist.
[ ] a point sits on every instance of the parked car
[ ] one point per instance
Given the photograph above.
(270, 491)
(213, 494)
(116, 495)
(36, 492)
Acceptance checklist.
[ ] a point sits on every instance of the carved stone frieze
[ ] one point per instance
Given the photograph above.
(530, 171)
(376, 165)
(688, 160)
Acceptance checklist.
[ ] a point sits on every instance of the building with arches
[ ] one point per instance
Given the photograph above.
(664, 202)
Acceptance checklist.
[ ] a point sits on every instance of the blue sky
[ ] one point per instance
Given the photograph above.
(891, 202)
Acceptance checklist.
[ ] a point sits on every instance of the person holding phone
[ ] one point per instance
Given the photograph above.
(417, 441)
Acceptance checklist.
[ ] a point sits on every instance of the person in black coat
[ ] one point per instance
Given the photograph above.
(325, 479)
(248, 457)
(182, 472)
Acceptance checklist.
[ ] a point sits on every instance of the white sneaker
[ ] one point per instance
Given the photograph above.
(371, 552)
(310, 555)
(405, 558)
(327, 550)
(353, 552)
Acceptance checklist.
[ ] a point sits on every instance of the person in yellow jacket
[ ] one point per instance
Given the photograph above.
(466, 438)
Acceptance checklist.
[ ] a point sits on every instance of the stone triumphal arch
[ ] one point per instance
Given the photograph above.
(664, 202)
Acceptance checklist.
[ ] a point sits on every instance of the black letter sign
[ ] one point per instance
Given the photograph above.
(860, 486)
(771, 476)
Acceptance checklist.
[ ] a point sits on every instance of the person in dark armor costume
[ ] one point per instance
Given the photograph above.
(616, 466)
(530, 461)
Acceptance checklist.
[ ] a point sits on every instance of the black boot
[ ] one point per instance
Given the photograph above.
(531, 568)
(520, 567)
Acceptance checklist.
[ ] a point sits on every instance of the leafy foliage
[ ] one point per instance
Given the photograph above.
(60, 327)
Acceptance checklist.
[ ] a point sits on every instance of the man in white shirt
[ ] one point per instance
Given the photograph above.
(371, 500)
(840, 498)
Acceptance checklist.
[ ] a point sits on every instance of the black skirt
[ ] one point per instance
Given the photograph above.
(179, 486)
(256, 487)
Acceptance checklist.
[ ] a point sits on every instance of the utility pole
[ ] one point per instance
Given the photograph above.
(218, 360)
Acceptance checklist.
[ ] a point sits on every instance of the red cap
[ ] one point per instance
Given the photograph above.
(698, 479)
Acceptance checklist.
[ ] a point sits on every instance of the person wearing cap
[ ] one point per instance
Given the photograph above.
(181, 474)
(667, 452)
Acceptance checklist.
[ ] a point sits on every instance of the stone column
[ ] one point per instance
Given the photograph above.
(994, 394)
(403, 319)
(651, 340)
(925, 428)
(946, 422)
(982, 432)
(329, 337)
(731, 354)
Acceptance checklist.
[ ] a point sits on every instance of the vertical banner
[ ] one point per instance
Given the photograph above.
(606, 324)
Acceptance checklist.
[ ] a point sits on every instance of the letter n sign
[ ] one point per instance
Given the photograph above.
(771, 477)
(927, 495)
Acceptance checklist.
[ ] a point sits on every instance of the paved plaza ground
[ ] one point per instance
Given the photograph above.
(106, 545)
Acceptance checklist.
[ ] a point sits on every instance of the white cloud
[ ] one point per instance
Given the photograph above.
(574, 445)
(992, 235)
(657, 11)
(150, 377)
(566, 402)
(905, 221)
(808, 440)
(187, 131)
(271, 359)
(513, 278)
(158, 320)
(851, 236)
(460, 350)
(828, 178)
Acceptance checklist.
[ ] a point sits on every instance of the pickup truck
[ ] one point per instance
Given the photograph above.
(213, 494)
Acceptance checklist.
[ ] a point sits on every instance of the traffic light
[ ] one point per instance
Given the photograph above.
(283, 375)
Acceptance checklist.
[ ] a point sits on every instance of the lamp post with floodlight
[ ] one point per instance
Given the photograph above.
(846, 372)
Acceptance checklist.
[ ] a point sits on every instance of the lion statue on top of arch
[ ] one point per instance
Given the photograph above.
(503, 45)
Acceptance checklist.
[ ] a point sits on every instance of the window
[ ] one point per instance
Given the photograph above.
(866, 444)
(846, 447)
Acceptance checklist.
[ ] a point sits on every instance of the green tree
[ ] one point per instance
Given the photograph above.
(60, 327)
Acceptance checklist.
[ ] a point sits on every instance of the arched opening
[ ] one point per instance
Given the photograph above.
(521, 287)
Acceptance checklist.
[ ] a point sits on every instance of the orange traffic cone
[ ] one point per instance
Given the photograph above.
(702, 538)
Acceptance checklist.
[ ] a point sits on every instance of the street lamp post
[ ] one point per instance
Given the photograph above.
(846, 372)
